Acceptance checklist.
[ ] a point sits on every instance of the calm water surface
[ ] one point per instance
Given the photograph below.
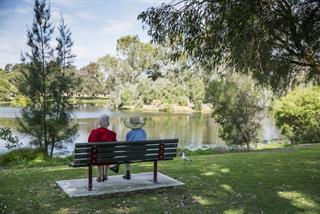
(193, 130)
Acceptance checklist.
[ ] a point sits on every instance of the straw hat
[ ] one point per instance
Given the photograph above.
(134, 122)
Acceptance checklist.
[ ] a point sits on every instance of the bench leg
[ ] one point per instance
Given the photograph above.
(90, 178)
(155, 172)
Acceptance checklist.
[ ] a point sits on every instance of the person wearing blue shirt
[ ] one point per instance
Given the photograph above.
(136, 133)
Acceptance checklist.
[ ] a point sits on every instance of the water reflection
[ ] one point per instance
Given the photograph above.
(193, 130)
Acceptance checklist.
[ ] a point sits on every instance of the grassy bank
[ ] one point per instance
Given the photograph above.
(284, 181)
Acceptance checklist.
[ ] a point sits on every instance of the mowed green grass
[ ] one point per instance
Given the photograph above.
(282, 181)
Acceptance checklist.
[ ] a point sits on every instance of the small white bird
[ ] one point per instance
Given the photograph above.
(184, 157)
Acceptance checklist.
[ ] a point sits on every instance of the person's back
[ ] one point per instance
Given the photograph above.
(137, 133)
(102, 134)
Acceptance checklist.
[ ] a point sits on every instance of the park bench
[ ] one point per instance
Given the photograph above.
(91, 154)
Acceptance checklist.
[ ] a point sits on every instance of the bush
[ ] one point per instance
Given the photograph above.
(237, 108)
(298, 115)
(19, 156)
(28, 157)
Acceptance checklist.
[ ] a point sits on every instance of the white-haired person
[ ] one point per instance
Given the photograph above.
(102, 134)
(136, 133)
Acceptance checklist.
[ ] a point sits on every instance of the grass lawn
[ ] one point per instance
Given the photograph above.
(280, 181)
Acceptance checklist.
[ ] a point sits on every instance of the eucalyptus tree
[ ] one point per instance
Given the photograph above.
(93, 80)
(275, 40)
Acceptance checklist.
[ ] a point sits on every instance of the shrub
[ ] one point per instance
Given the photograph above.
(18, 156)
(237, 108)
(298, 115)
(28, 157)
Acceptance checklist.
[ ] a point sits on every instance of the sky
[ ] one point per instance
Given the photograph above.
(95, 25)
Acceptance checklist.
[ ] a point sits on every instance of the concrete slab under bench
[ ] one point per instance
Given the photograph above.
(116, 184)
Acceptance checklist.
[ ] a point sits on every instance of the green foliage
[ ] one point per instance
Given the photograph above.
(145, 75)
(8, 82)
(92, 81)
(11, 141)
(19, 156)
(28, 157)
(277, 41)
(237, 107)
(4, 86)
(47, 84)
(298, 114)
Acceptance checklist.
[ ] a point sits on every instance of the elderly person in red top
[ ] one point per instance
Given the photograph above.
(102, 134)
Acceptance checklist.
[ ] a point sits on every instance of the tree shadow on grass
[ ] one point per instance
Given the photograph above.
(227, 183)
(255, 184)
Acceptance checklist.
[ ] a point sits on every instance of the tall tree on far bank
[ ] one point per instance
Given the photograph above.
(46, 116)
(277, 41)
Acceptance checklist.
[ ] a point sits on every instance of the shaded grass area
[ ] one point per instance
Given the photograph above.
(284, 181)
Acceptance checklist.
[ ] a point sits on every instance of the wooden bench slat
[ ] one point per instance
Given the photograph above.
(81, 161)
(135, 157)
(131, 148)
(120, 162)
(81, 155)
(146, 141)
(128, 152)
(124, 143)
(82, 150)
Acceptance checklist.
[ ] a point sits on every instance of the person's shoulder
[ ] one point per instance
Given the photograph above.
(94, 130)
(112, 132)
(130, 132)
(142, 130)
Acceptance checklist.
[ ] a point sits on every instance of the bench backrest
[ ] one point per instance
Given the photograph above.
(124, 152)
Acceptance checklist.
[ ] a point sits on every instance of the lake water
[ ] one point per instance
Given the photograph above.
(193, 130)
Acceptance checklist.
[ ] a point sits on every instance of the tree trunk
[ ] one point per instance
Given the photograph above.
(45, 150)
(52, 148)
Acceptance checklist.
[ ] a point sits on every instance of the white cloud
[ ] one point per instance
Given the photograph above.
(81, 52)
(4, 12)
(10, 51)
(68, 3)
(23, 10)
(29, 1)
(56, 16)
(156, 2)
(85, 15)
(20, 10)
(115, 26)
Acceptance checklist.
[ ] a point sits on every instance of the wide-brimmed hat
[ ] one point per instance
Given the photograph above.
(134, 122)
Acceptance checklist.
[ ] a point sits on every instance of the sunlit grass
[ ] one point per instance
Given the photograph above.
(277, 181)
(300, 200)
